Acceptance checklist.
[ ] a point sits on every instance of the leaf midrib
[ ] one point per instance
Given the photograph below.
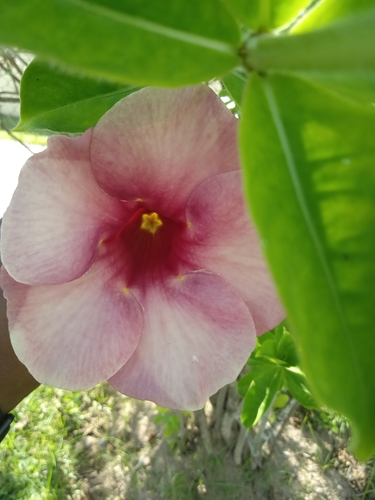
(153, 27)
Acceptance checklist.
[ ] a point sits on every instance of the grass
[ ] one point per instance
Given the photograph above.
(101, 445)
(326, 419)
(369, 491)
(64, 444)
(39, 458)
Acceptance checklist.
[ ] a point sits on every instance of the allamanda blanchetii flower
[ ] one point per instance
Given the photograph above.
(128, 254)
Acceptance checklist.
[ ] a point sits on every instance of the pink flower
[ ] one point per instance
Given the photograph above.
(130, 257)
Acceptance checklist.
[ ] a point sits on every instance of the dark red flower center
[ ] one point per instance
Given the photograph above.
(150, 246)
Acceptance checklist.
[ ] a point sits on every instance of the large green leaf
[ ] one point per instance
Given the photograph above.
(264, 15)
(331, 10)
(58, 101)
(309, 170)
(268, 348)
(133, 41)
(340, 55)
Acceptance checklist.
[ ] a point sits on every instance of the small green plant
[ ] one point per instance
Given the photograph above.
(173, 423)
(273, 365)
(325, 419)
(37, 460)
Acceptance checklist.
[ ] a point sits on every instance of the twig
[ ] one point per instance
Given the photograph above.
(202, 424)
(9, 99)
(219, 411)
(281, 421)
(284, 416)
(241, 440)
(12, 60)
(10, 133)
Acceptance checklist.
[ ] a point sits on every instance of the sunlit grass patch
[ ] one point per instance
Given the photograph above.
(39, 457)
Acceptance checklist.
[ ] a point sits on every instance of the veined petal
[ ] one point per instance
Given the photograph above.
(76, 334)
(223, 240)
(158, 144)
(58, 213)
(197, 336)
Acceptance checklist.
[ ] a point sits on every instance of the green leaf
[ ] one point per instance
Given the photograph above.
(270, 335)
(332, 10)
(235, 83)
(244, 382)
(257, 370)
(170, 421)
(172, 426)
(263, 360)
(281, 401)
(58, 101)
(260, 394)
(279, 331)
(133, 41)
(309, 174)
(340, 55)
(287, 349)
(297, 385)
(268, 348)
(264, 15)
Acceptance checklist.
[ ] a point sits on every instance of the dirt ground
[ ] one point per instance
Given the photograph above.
(302, 464)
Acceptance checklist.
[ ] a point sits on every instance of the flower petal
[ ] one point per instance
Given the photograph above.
(76, 334)
(158, 144)
(57, 215)
(224, 241)
(197, 336)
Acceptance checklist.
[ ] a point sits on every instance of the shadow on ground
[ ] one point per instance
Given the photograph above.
(302, 465)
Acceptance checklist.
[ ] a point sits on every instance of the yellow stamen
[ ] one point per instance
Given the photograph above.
(151, 222)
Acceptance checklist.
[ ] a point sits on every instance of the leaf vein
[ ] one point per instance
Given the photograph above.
(153, 27)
